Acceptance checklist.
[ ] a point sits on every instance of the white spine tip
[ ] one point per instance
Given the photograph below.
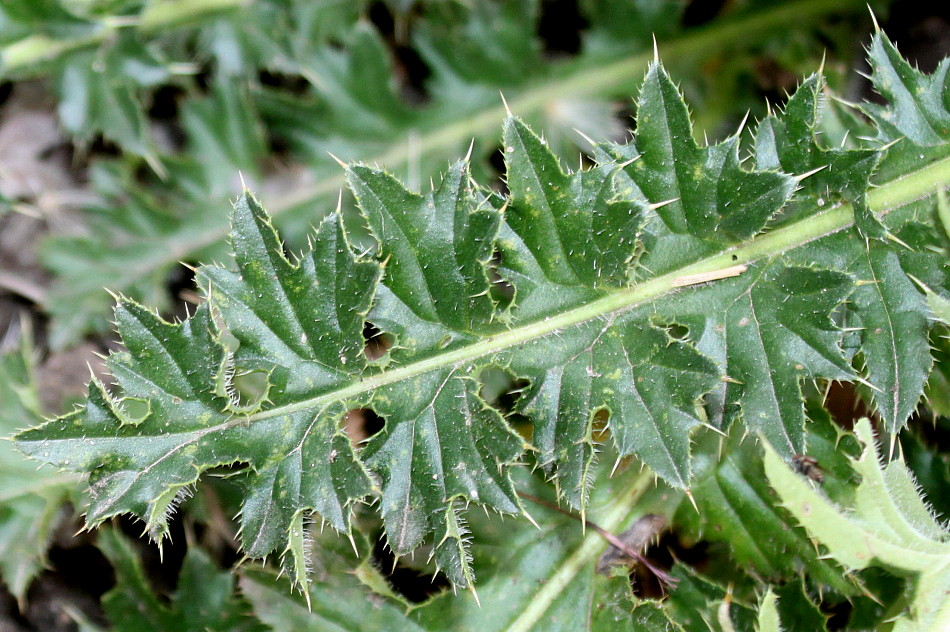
(505, 102)
(745, 119)
(801, 177)
(877, 27)
(338, 161)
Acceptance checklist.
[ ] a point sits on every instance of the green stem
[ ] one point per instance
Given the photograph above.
(615, 79)
(35, 50)
(904, 190)
(611, 518)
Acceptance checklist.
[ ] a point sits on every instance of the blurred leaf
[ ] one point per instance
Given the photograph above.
(204, 600)
(31, 500)
(532, 580)
(889, 525)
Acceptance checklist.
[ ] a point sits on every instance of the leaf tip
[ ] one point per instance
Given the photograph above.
(505, 103)
(338, 161)
(877, 27)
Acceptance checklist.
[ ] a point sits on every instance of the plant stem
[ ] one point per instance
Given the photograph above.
(37, 49)
(663, 577)
(612, 518)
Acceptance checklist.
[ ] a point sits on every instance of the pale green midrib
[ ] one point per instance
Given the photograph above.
(882, 199)
(612, 519)
(573, 82)
(37, 49)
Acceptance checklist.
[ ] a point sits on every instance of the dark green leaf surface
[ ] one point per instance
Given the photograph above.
(797, 611)
(788, 142)
(891, 315)
(894, 318)
(710, 196)
(435, 247)
(579, 231)
(736, 506)
(918, 107)
(626, 314)
(888, 525)
(770, 328)
(700, 605)
(538, 579)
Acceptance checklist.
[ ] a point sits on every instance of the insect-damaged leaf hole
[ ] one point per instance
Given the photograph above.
(250, 387)
(378, 343)
(501, 390)
(360, 424)
(502, 292)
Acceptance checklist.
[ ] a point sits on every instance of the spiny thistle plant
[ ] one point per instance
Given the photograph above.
(673, 307)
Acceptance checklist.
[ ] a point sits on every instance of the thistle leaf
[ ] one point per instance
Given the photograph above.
(917, 108)
(626, 314)
(338, 91)
(710, 196)
(788, 142)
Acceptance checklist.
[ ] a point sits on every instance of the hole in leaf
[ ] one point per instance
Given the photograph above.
(250, 387)
(501, 390)
(361, 423)
(415, 584)
(501, 290)
(499, 387)
(600, 428)
(677, 331)
(378, 343)
(136, 410)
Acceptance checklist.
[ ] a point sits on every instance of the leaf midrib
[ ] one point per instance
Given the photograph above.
(884, 198)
